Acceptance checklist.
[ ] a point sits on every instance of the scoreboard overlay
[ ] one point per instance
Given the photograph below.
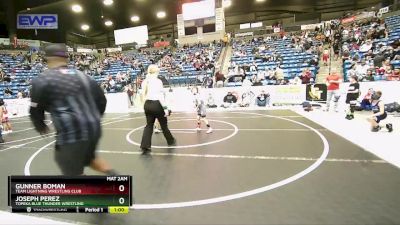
(67, 194)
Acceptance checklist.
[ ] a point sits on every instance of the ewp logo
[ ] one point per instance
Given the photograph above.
(37, 21)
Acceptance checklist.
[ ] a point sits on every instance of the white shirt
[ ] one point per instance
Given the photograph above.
(246, 83)
(365, 47)
(112, 83)
(261, 75)
(155, 90)
(362, 70)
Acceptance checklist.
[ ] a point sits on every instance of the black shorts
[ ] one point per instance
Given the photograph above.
(350, 98)
(73, 158)
(381, 117)
(202, 116)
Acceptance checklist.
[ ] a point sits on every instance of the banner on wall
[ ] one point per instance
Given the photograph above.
(384, 10)
(181, 99)
(289, 93)
(180, 25)
(365, 15)
(311, 26)
(30, 43)
(219, 19)
(37, 21)
(18, 107)
(277, 29)
(4, 41)
(161, 44)
(316, 92)
(244, 34)
(349, 19)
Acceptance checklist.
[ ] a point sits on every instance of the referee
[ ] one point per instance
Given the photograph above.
(76, 104)
(153, 93)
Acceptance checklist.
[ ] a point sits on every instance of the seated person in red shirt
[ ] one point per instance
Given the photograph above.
(219, 79)
(306, 76)
(366, 102)
(394, 76)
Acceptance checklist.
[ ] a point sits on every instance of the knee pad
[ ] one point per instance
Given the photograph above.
(353, 103)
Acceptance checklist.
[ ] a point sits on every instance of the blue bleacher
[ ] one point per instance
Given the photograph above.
(393, 25)
(293, 62)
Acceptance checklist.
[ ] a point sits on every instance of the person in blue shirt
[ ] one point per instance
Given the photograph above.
(379, 113)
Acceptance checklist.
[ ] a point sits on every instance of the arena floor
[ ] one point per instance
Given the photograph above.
(258, 167)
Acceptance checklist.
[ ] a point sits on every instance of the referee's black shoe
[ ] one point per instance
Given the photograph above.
(146, 151)
(389, 127)
(376, 129)
(172, 143)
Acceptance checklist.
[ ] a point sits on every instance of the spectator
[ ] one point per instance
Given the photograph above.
(333, 83)
(270, 74)
(361, 70)
(253, 67)
(8, 92)
(20, 95)
(211, 101)
(366, 46)
(306, 76)
(395, 76)
(352, 71)
(246, 99)
(369, 76)
(130, 92)
(246, 83)
(395, 55)
(208, 82)
(345, 55)
(336, 49)
(263, 99)
(279, 75)
(229, 100)
(378, 59)
(295, 81)
(366, 101)
(325, 56)
(112, 83)
(219, 79)
(261, 74)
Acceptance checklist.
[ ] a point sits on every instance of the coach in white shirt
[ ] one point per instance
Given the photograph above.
(153, 93)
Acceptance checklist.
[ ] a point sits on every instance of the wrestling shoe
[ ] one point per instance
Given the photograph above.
(209, 131)
(389, 127)
(157, 131)
(376, 129)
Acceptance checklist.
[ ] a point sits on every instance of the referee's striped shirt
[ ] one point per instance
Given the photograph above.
(74, 100)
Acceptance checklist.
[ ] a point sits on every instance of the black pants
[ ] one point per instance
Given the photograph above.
(153, 111)
(73, 158)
